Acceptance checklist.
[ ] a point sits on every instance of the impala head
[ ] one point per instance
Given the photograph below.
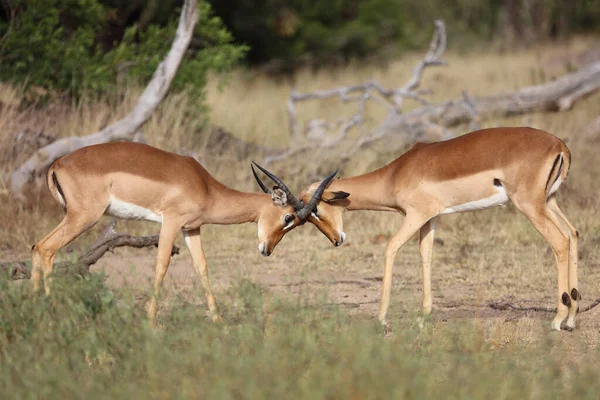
(277, 218)
(325, 211)
(289, 212)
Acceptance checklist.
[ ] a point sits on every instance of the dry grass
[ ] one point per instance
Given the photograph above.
(484, 255)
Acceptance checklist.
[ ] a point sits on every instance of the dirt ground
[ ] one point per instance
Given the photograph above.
(478, 258)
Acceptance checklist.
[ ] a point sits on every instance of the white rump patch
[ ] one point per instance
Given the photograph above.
(61, 199)
(496, 200)
(122, 209)
(555, 186)
(186, 238)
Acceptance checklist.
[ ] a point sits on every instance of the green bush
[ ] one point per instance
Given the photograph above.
(58, 44)
(319, 32)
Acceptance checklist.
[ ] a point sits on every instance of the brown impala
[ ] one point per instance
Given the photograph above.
(479, 170)
(136, 181)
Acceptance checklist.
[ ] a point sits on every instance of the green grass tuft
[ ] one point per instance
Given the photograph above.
(85, 342)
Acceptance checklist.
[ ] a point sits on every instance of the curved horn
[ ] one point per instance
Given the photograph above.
(260, 183)
(297, 204)
(307, 209)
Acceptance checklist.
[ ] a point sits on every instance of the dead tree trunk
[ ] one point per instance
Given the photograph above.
(126, 128)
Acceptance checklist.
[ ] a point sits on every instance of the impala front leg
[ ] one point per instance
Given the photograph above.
(426, 241)
(409, 227)
(194, 245)
(168, 233)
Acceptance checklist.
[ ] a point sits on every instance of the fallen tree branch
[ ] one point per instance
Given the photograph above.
(107, 241)
(432, 121)
(556, 96)
(361, 93)
(126, 128)
(507, 304)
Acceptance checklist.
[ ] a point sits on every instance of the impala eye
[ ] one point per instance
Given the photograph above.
(315, 212)
(289, 218)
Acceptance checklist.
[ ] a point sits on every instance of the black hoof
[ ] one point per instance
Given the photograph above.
(566, 300)
(568, 329)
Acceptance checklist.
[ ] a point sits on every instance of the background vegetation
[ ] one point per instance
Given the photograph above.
(301, 323)
(95, 45)
(86, 342)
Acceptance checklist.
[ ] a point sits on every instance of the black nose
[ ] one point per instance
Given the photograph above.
(265, 253)
(336, 243)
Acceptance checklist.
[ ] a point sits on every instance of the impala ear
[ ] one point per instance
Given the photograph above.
(279, 197)
(329, 196)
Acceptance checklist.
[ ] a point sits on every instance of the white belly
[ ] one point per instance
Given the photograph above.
(122, 209)
(492, 201)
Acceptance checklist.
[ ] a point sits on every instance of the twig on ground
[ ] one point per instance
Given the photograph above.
(108, 240)
(507, 304)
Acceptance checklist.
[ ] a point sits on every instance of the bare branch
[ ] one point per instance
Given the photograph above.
(507, 304)
(107, 241)
(126, 128)
(361, 93)
(437, 47)
(468, 101)
(558, 95)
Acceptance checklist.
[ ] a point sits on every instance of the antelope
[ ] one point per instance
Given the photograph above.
(478, 170)
(136, 181)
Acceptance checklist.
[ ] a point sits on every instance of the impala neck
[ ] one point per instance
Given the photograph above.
(367, 192)
(229, 206)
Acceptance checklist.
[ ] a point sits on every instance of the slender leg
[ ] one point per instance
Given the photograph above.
(573, 235)
(545, 222)
(44, 251)
(409, 227)
(194, 245)
(426, 250)
(168, 233)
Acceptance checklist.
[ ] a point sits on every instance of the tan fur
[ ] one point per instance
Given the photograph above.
(469, 172)
(145, 181)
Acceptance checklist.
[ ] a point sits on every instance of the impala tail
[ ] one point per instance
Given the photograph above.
(54, 186)
(558, 172)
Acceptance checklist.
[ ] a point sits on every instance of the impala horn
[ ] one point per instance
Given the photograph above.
(297, 204)
(260, 183)
(307, 209)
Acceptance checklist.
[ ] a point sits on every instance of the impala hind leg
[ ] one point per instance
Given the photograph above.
(168, 234)
(426, 240)
(546, 223)
(573, 235)
(194, 245)
(412, 223)
(44, 251)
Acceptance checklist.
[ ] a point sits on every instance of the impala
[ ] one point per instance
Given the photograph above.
(136, 181)
(472, 172)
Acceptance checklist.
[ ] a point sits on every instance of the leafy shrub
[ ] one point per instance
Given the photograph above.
(57, 44)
